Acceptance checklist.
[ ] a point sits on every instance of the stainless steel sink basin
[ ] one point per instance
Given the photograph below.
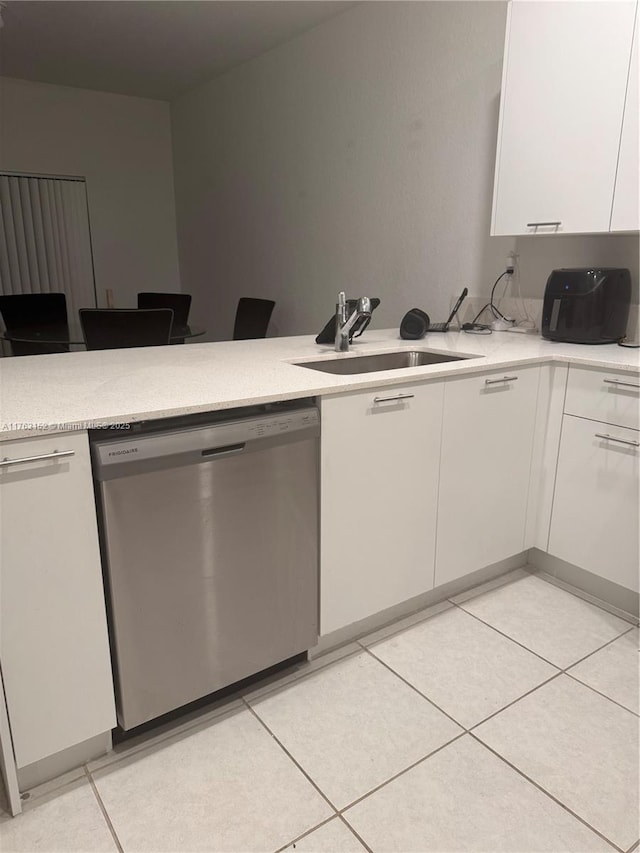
(380, 361)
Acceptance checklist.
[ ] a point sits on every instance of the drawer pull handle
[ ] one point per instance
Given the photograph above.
(539, 224)
(620, 382)
(503, 379)
(393, 399)
(57, 454)
(618, 440)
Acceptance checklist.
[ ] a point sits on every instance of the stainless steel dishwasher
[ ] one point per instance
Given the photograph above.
(209, 534)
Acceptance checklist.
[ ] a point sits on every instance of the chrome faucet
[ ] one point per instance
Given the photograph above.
(345, 324)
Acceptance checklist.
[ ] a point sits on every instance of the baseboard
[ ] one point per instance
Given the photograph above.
(62, 762)
(618, 598)
(413, 605)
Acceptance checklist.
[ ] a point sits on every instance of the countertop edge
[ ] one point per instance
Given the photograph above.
(324, 385)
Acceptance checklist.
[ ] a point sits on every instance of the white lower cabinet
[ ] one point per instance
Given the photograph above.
(596, 516)
(379, 473)
(54, 647)
(487, 441)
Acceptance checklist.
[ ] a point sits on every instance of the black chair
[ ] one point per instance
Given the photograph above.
(180, 303)
(252, 318)
(31, 310)
(116, 328)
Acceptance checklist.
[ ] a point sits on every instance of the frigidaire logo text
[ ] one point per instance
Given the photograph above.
(122, 452)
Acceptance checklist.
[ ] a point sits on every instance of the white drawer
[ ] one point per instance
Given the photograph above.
(595, 521)
(607, 396)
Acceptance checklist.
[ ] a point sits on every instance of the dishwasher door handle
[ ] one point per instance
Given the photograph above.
(227, 450)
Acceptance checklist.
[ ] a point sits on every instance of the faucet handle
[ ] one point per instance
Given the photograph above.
(364, 305)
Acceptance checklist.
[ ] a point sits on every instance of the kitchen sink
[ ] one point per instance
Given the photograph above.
(380, 361)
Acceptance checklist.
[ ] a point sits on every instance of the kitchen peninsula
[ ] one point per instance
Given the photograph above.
(40, 394)
(507, 444)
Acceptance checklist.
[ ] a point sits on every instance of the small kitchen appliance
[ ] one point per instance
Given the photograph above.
(587, 305)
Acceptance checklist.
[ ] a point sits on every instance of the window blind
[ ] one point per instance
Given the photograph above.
(45, 240)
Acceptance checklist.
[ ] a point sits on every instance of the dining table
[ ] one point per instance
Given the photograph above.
(71, 333)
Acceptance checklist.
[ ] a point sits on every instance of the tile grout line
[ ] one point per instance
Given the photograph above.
(600, 648)
(582, 595)
(518, 698)
(338, 816)
(269, 689)
(286, 751)
(507, 582)
(357, 834)
(470, 731)
(634, 847)
(399, 774)
(515, 701)
(107, 763)
(393, 632)
(537, 654)
(502, 634)
(339, 812)
(305, 833)
(415, 689)
(604, 695)
(209, 717)
(561, 670)
(589, 598)
(103, 809)
(545, 792)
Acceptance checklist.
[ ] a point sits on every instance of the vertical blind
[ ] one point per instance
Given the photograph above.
(45, 242)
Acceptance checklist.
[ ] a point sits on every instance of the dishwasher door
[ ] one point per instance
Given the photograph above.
(210, 540)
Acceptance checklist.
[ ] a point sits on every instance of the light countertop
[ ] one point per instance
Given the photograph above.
(54, 393)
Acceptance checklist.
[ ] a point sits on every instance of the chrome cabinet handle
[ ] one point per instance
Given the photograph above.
(537, 224)
(620, 382)
(393, 399)
(503, 379)
(618, 440)
(57, 454)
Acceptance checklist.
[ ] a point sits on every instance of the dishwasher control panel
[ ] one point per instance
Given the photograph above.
(284, 423)
(112, 456)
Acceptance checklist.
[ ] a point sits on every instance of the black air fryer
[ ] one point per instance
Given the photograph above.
(586, 306)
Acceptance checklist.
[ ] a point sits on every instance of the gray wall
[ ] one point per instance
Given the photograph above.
(358, 156)
(122, 145)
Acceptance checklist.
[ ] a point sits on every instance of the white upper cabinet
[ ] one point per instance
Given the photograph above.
(565, 73)
(626, 200)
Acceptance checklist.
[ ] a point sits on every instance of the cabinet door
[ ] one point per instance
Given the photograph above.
(595, 517)
(53, 634)
(563, 92)
(626, 201)
(380, 453)
(487, 441)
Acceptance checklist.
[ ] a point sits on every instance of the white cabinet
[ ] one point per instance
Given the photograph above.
(626, 200)
(565, 74)
(54, 647)
(380, 457)
(595, 521)
(608, 396)
(487, 441)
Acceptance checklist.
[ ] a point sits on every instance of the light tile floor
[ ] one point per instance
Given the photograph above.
(503, 720)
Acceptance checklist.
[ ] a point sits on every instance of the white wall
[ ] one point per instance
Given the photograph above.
(122, 145)
(538, 255)
(358, 156)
